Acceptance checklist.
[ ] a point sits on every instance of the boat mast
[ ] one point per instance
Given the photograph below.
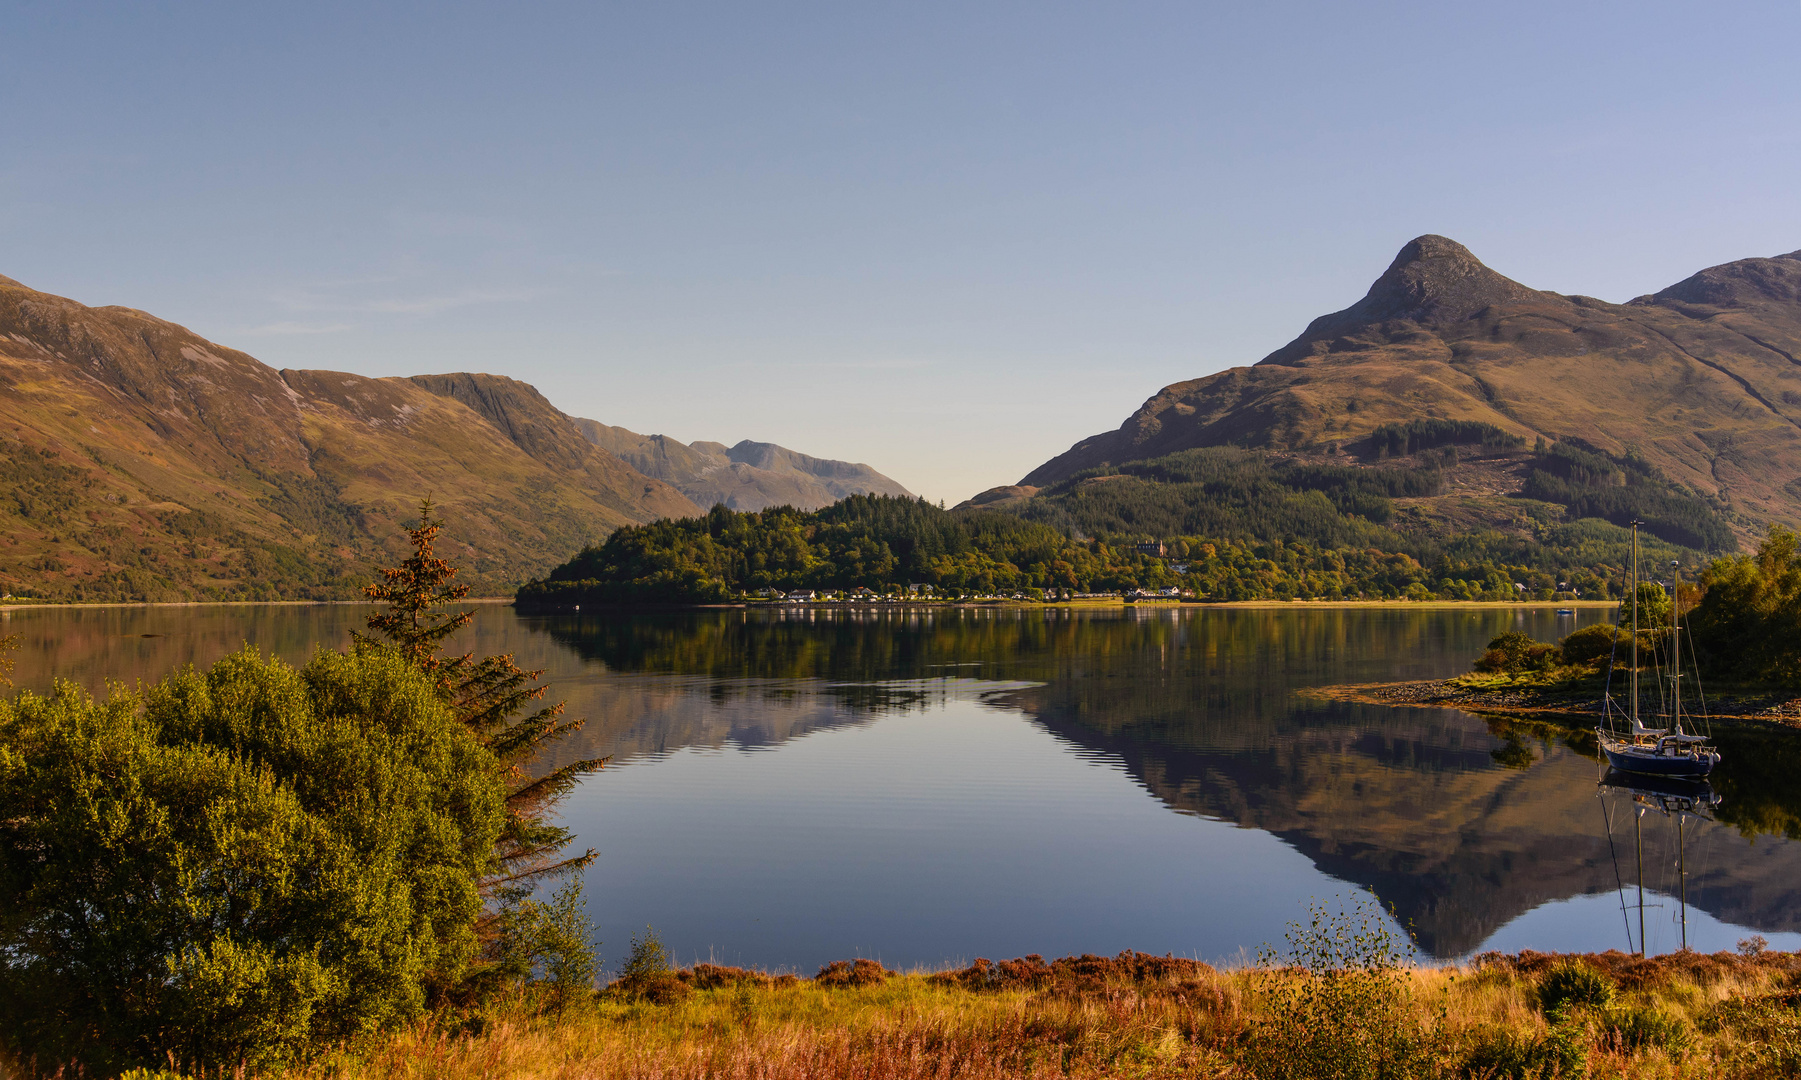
(1675, 651)
(1634, 595)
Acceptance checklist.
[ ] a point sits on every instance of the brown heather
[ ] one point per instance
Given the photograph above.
(1686, 1015)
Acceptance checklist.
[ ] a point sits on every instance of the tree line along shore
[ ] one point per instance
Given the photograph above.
(1741, 638)
(899, 547)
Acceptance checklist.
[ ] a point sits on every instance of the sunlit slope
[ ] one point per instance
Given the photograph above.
(1703, 379)
(142, 461)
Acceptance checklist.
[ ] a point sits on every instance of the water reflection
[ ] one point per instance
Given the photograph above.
(798, 785)
(1463, 824)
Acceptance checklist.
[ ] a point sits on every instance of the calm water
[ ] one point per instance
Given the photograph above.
(788, 789)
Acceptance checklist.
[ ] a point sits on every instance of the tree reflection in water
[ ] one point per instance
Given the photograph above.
(1461, 823)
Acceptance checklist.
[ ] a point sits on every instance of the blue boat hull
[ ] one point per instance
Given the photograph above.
(1661, 765)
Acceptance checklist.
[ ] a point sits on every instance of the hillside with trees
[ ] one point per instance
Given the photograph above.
(1566, 488)
(1288, 541)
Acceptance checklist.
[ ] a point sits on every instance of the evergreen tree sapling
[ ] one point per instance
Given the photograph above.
(492, 696)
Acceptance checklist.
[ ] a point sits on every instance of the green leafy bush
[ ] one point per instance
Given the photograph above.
(550, 943)
(1572, 984)
(1514, 652)
(1559, 1054)
(1593, 644)
(235, 864)
(1748, 624)
(1636, 1029)
(1339, 1003)
(647, 975)
(1769, 1033)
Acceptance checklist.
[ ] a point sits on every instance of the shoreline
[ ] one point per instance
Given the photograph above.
(1756, 707)
(54, 606)
(863, 605)
(1148, 604)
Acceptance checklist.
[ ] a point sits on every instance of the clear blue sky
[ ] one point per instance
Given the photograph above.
(945, 239)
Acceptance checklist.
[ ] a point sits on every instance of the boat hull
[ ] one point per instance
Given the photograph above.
(1649, 763)
(1696, 791)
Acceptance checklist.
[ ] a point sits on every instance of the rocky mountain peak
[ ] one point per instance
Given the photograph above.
(1434, 281)
(1437, 277)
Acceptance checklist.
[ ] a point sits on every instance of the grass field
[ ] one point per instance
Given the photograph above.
(1606, 1015)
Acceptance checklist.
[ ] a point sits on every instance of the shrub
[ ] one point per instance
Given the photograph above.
(550, 943)
(860, 972)
(1559, 1054)
(1339, 1003)
(1572, 984)
(647, 975)
(1635, 1029)
(1593, 644)
(1514, 652)
(1769, 1034)
(236, 863)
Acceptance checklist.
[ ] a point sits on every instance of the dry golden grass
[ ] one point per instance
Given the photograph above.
(1108, 1020)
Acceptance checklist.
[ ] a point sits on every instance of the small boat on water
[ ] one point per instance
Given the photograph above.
(1635, 747)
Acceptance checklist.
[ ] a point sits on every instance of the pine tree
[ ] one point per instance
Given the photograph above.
(491, 696)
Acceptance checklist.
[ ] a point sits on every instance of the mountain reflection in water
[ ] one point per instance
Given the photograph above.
(1461, 824)
(937, 784)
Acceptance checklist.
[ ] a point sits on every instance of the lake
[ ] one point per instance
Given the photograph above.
(928, 786)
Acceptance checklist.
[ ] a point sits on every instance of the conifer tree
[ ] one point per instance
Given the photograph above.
(493, 697)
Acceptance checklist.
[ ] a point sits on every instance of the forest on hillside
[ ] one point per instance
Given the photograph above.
(885, 544)
(1247, 495)
(1221, 523)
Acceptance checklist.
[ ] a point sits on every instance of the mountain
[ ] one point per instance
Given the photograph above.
(1696, 388)
(748, 476)
(140, 461)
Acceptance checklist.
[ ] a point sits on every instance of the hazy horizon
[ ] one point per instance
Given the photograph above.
(946, 241)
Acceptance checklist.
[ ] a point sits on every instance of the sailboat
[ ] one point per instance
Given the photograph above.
(1655, 751)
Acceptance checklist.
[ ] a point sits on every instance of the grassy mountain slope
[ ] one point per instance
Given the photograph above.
(1700, 382)
(1564, 495)
(140, 461)
(748, 476)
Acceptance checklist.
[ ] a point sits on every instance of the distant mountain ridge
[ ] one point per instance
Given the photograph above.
(1701, 381)
(139, 461)
(748, 476)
